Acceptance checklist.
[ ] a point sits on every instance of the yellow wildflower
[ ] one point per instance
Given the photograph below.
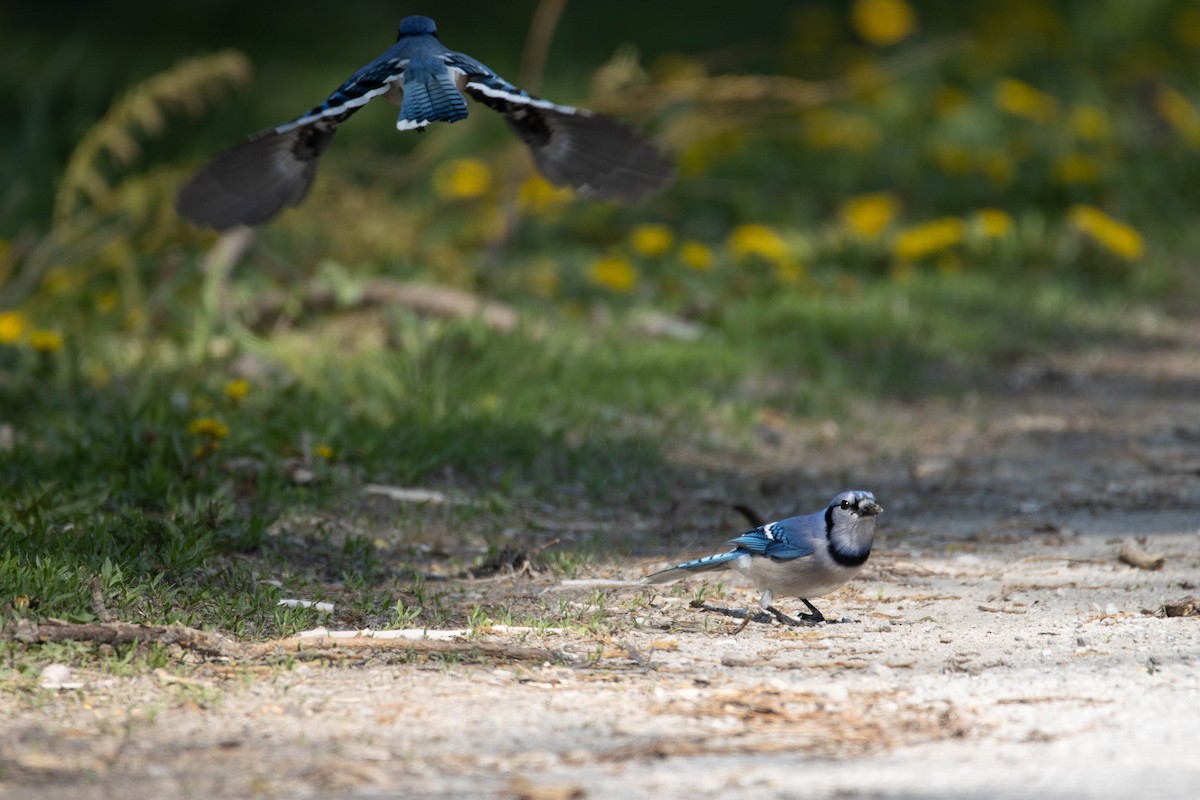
(1089, 123)
(883, 22)
(993, 223)
(790, 272)
(903, 272)
(827, 129)
(1075, 168)
(1186, 26)
(998, 166)
(323, 451)
(753, 239)
(208, 428)
(543, 278)
(651, 240)
(537, 195)
(699, 156)
(953, 159)
(12, 326)
(106, 302)
(59, 280)
(696, 255)
(615, 273)
(1179, 112)
(869, 214)
(462, 179)
(928, 238)
(948, 100)
(1113, 235)
(236, 390)
(1020, 99)
(46, 341)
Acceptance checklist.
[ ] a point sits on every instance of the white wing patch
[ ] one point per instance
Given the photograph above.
(353, 102)
(521, 99)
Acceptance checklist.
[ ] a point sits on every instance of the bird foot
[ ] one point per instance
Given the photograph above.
(803, 620)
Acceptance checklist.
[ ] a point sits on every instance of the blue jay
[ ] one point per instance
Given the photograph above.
(802, 556)
(597, 155)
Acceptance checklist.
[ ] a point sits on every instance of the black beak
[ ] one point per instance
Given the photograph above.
(869, 509)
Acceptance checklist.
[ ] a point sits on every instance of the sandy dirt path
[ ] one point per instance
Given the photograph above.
(1002, 649)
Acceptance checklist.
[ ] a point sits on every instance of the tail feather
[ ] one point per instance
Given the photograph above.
(430, 98)
(706, 564)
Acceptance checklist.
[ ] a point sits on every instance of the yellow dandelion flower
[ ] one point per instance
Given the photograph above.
(615, 273)
(12, 326)
(651, 240)
(323, 451)
(993, 223)
(949, 100)
(59, 280)
(462, 179)
(998, 166)
(698, 157)
(929, 238)
(949, 264)
(236, 390)
(953, 159)
(1186, 26)
(827, 129)
(106, 302)
(46, 341)
(1076, 168)
(543, 278)
(753, 239)
(867, 215)
(696, 255)
(1179, 112)
(208, 428)
(537, 195)
(1089, 123)
(788, 272)
(903, 272)
(1022, 100)
(1119, 238)
(883, 22)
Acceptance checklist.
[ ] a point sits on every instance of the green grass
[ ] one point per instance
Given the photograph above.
(104, 481)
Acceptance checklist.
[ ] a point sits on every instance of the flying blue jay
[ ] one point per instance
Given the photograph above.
(597, 155)
(801, 556)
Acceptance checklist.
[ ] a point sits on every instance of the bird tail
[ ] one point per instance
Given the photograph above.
(430, 98)
(706, 564)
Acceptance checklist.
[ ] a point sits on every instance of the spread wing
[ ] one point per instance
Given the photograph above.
(596, 155)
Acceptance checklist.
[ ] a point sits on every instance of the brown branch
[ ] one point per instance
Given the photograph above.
(537, 44)
(206, 642)
(1135, 556)
(438, 301)
(210, 643)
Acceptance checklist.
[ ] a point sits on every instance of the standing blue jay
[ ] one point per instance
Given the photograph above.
(598, 156)
(801, 556)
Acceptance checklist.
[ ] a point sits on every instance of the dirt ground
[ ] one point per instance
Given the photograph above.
(1002, 649)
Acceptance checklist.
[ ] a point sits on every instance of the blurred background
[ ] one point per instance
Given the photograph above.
(875, 197)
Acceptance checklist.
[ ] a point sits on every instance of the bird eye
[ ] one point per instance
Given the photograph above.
(845, 504)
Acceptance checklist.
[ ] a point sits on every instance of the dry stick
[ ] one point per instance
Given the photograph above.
(1135, 556)
(438, 301)
(215, 644)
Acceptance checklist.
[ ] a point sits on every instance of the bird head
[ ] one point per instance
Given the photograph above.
(854, 506)
(417, 26)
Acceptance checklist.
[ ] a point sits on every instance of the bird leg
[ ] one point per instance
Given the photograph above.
(804, 619)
